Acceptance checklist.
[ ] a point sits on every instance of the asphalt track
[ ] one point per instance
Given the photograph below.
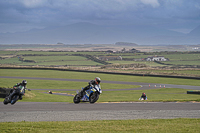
(42, 111)
(32, 111)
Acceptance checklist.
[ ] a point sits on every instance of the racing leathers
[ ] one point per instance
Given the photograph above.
(19, 89)
(143, 97)
(92, 83)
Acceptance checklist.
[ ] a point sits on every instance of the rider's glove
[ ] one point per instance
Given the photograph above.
(92, 86)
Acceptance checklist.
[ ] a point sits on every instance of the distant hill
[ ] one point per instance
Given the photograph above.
(87, 33)
(126, 44)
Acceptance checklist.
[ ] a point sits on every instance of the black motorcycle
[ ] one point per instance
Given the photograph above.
(14, 95)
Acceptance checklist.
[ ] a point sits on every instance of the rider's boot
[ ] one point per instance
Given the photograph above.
(82, 93)
(20, 97)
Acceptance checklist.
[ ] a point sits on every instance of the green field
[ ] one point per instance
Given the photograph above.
(59, 60)
(62, 63)
(182, 125)
(185, 63)
(179, 64)
(89, 76)
(48, 58)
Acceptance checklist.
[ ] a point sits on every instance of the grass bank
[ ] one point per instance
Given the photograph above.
(89, 76)
(182, 125)
(154, 95)
(159, 94)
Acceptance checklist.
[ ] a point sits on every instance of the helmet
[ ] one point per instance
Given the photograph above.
(24, 82)
(98, 80)
(143, 94)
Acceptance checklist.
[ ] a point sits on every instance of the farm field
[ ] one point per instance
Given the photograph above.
(180, 63)
(146, 63)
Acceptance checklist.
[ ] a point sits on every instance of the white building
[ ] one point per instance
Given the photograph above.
(156, 58)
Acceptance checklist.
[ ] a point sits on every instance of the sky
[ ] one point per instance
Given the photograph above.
(23, 15)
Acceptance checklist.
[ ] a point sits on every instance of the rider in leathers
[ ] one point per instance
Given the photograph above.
(17, 89)
(144, 97)
(92, 83)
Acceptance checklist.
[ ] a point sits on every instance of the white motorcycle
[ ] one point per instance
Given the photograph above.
(91, 95)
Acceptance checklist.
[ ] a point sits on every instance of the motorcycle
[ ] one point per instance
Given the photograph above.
(16, 93)
(91, 95)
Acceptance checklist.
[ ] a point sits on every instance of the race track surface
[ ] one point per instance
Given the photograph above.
(42, 111)
(33, 111)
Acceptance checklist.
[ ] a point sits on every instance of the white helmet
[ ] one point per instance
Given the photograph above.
(98, 80)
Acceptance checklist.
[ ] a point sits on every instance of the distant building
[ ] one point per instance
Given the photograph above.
(156, 58)
(196, 48)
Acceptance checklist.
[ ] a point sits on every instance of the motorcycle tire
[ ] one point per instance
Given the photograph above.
(5, 101)
(14, 99)
(77, 99)
(93, 97)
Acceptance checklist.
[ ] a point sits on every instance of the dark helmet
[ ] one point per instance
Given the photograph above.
(98, 80)
(143, 94)
(24, 82)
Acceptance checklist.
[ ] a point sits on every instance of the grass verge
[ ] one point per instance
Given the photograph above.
(90, 76)
(182, 125)
(154, 95)
(161, 94)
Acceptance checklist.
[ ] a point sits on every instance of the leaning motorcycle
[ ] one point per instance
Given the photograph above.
(91, 95)
(16, 95)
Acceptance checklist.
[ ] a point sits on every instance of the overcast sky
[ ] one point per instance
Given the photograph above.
(23, 15)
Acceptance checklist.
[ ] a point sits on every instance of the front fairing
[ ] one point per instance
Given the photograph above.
(98, 88)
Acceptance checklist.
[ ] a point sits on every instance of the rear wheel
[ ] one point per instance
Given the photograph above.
(14, 99)
(77, 99)
(94, 97)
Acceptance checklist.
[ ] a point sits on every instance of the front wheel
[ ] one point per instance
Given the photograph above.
(94, 97)
(5, 101)
(77, 99)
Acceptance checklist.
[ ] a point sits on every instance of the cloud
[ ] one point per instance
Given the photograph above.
(153, 3)
(33, 3)
(43, 13)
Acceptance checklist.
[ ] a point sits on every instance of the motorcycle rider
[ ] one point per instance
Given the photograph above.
(92, 83)
(144, 97)
(17, 89)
